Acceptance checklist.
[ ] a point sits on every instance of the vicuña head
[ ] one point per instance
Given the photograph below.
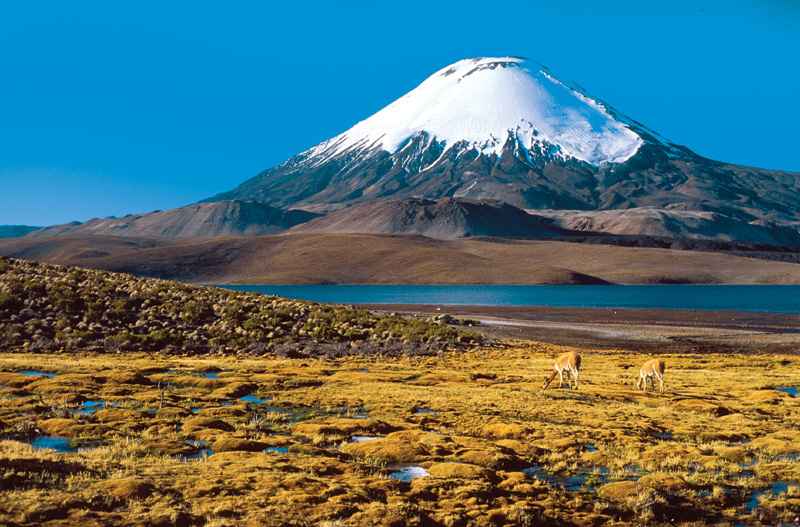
(651, 371)
(569, 363)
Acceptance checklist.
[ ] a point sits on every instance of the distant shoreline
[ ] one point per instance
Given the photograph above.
(644, 330)
(744, 298)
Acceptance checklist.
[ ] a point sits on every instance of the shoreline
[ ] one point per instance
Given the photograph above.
(647, 330)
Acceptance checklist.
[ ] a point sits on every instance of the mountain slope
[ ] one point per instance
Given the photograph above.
(204, 220)
(15, 231)
(292, 258)
(675, 224)
(447, 218)
(502, 129)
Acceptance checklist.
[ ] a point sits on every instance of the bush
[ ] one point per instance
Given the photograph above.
(9, 301)
(67, 300)
(195, 312)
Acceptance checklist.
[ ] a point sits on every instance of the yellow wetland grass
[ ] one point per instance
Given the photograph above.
(457, 439)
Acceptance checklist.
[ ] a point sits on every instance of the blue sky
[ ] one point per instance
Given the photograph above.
(108, 108)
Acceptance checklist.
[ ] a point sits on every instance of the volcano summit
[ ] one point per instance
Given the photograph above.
(507, 130)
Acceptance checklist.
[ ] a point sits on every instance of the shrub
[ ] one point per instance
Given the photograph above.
(9, 301)
(196, 312)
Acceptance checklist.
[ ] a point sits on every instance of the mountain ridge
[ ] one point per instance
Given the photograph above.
(446, 218)
(202, 220)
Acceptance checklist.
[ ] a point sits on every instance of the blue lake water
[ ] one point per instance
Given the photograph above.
(768, 298)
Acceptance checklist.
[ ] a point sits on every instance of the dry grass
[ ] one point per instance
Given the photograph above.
(693, 455)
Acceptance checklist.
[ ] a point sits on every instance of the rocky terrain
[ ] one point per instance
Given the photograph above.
(52, 309)
(674, 224)
(204, 220)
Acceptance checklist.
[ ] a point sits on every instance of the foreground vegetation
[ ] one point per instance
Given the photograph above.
(48, 308)
(164, 440)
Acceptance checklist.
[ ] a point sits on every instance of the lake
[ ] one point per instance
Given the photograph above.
(766, 298)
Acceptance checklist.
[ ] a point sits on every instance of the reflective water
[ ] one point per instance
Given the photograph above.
(777, 488)
(253, 399)
(202, 450)
(407, 472)
(37, 373)
(59, 444)
(770, 298)
(90, 407)
(363, 439)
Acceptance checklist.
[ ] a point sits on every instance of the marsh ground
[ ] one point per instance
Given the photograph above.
(154, 439)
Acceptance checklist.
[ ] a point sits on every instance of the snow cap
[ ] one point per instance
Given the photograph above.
(481, 102)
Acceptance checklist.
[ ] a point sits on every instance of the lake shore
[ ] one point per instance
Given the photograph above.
(651, 330)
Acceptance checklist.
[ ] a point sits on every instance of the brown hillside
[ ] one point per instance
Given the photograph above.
(358, 258)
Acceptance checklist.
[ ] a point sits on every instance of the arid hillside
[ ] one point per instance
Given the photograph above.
(366, 258)
(201, 220)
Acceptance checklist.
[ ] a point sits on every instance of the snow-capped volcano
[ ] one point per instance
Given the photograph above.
(508, 130)
(478, 103)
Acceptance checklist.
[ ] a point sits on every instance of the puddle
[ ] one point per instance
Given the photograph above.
(253, 399)
(407, 472)
(777, 488)
(202, 451)
(277, 409)
(358, 414)
(277, 450)
(195, 409)
(37, 373)
(590, 447)
(791, 390)
(664, 436)
(90, 407)
(424, 410)
(364, 439)
(210, 374)
(59, 444)
(583, 480)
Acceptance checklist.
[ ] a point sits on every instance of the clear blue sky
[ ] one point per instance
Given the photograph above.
(108, 108)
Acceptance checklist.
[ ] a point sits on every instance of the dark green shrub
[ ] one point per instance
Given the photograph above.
(9, 301)
(196, 312)
(68, 301)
